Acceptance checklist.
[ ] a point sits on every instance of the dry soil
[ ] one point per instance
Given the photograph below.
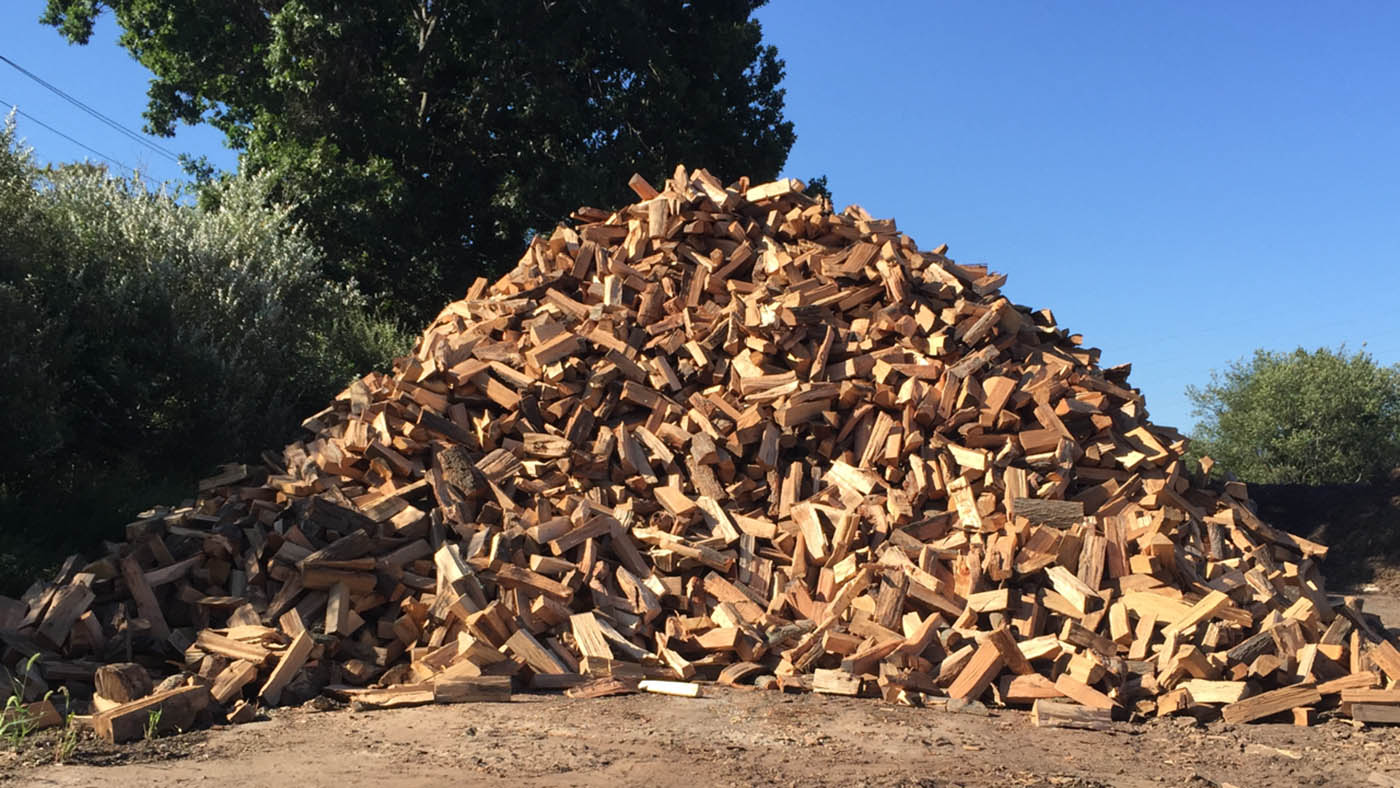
(728, 737)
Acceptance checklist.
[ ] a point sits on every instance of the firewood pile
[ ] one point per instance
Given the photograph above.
(725, 434)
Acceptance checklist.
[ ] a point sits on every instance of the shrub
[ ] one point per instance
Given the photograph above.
(1321, 417)
(145, 335)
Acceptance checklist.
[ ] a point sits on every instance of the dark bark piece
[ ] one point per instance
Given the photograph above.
(459, 470)
(1061, 514)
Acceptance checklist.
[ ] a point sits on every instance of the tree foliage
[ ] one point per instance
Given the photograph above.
(144, 338)
(422, 141)
(1321, 417)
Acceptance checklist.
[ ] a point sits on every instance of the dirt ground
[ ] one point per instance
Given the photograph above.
(728, 737)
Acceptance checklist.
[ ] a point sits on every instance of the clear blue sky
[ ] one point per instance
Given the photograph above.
(1181, 182)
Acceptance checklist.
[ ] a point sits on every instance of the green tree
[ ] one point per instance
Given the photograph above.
(1325, 417)
(422, 141)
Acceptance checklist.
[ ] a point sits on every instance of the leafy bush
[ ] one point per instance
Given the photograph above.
(145, 336)
(1323, 417)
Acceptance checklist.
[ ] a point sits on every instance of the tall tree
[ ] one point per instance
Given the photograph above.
(1321, 417)
(423, 140)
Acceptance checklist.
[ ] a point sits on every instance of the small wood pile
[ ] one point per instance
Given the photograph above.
(724, 434)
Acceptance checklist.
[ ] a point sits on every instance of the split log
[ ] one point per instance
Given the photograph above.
(164, 712)
(123, 682)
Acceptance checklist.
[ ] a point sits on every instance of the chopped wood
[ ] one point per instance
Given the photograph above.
(683, 689)
(290, 662)
(727, 431)
(526, 648)
(1376, 713)
(1060, 714)
(231, 681)
(241, 712)
(1208, 691)
(171, 710)
(123, 681)
(979, 672)
(1061, 514)
(38, 715)
(1270, 703)
(602, 688)
(397, 697)
(472, 689)
(1371, 696)
(835, 682)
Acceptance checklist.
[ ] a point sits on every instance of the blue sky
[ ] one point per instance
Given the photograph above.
(1181, 182)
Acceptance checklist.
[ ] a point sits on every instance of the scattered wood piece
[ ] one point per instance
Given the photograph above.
(169, 711)
(1269, 703)
(683, 689)
(1060, 714)
(472, 689)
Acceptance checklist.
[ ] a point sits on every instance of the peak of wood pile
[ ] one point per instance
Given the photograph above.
(723, 434)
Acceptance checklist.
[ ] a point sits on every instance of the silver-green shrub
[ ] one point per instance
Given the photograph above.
(148, 333)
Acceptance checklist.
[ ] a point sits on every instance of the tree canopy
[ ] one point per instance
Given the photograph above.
(1321, 417)
(422, 141)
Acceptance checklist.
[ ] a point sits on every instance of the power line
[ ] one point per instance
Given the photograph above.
(132, 135)
(99, 154)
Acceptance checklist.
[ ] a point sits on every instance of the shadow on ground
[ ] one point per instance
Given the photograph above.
(1359, 522)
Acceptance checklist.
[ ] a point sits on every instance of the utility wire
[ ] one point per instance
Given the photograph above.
(133, 135)
(99, 154)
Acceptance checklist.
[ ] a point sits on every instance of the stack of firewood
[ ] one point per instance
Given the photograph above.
(724, 434)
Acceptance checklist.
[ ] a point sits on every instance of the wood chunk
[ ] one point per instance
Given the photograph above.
(512, 576)
(242, 712)
(1269, 703)
(214, 643)
(589, 636)
(146, 604)
(39, 714)
(67, 604)
(400, 697)
(1175, 701)
(290, 662)
(1061, 514)
(979, 673)
(1071, 588)
(835, 682)
(1371, 695)
(734, 674)
(173, 710)
(1028, 688)
(602, 688)
(1360, 680)
(323, 578)
(1387, 658)
(682, 689)
(1208, 691)
(123, 682)
(231, 681)
(1374, 713)
(1060, 714)
(338, 610)
(472, 689)
(526, 648)
(1083, 693)
(1211, 604)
